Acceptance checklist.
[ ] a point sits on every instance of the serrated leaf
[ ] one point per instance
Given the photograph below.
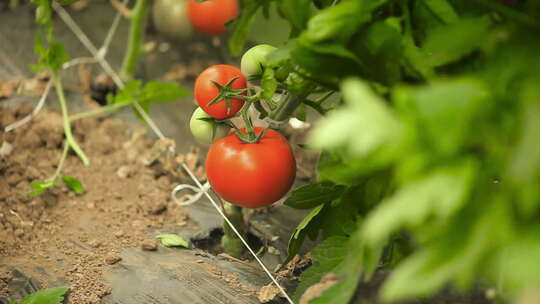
(436, 196)
(446, 44)
(339, 22)
(242, 25)
(312, 195)
(347, 258)
(297, 238)
(268, 84)
(155, 91)
(432, 108)
(40, 186)
(327, 255)
(172, 240)
(129, 93)
(46, 296)
(297, 12)
(363, 125)
(443, 10)
(74, 184)
(454, 255)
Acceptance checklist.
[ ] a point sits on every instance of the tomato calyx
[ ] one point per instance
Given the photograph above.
(227, 93)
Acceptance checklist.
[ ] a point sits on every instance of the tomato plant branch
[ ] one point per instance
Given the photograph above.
(232, 244)
(101, 110)
(136, 33)
(67, 127)
(314, 105)
(61, 162)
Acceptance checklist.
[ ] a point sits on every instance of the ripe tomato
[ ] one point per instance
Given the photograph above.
(204, 131)
(170, 18)
(254, 60)
(211, 16)
(205, 90)
(251, 175)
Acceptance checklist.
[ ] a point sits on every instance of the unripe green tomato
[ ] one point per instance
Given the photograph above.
(254, 58)
(206, 132)
(170, 18)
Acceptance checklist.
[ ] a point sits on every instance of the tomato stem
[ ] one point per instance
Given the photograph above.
(61, 162)
(247, 120)
(101, 110)
(232, 244)
(70, 140)
(136, 33)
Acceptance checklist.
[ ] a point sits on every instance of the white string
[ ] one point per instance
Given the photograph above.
(198, 193)
(201, 189)
(105, 47)
(36, 110)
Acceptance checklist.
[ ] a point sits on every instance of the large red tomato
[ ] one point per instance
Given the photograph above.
(211, 16)
(251, 175)
(206, 90)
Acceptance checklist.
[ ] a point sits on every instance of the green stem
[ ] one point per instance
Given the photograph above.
(247, 120)
(65, 117)
(61, 163)
(136, 33)
(232, 244)
(101, 110)
(286, 108)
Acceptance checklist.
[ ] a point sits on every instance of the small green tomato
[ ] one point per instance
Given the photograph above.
(254, 59)
(206, 132)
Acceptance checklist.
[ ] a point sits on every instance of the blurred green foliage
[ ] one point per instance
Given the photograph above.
(431, 164)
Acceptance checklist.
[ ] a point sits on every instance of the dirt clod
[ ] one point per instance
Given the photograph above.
(268, 293)
(149, 245)
(112, 258)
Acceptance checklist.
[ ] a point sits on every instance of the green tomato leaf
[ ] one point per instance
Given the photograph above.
(154, 91)
(327, 255)
(129, 93)
(74, 184)
(339, 22)
(478, 232)
(443, 10)
(436, 196)
(172, 240)
(447, 44)
(268, 84)
(309, 223)
(431, 109)
(40, 186)
(362, 126)
(297, 12)
(345, 257)
(51, 57)
(312, 195)
(46, 296)
(242, 25)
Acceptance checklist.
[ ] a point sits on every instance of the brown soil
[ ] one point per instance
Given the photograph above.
(77, 236)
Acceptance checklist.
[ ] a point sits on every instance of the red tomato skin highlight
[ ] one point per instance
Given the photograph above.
(205, 90)
(210, 16)
(251, 175)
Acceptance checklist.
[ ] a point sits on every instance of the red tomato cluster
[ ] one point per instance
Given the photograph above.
(250, 175)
